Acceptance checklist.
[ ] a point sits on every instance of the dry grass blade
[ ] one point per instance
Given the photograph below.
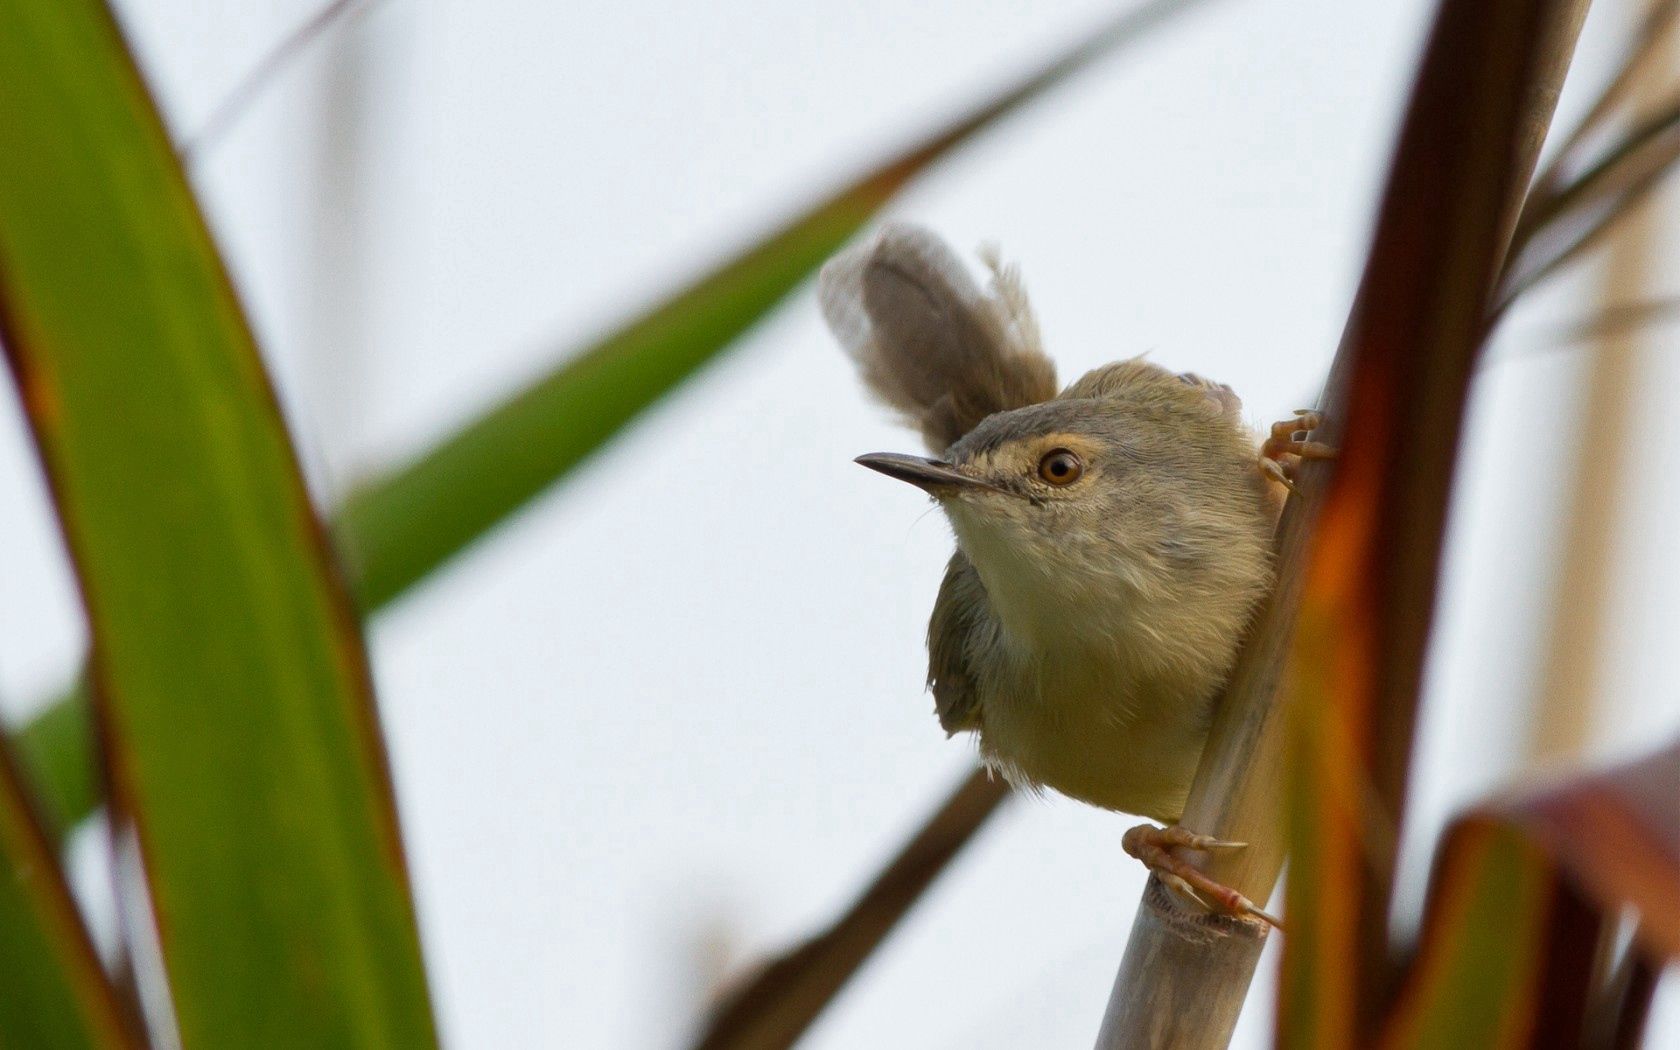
(1564, 714)
(779, 1004)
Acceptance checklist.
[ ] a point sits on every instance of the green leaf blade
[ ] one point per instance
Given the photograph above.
(397, 530)
(1525, 890)
(65, 791)
(230, 681)
(1477, 979)
(55, 994)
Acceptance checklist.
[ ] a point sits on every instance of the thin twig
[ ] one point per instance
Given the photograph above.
(778, 1005)
(1592, 228)
(1656, 22)
(1614, 172)
(1616, 320)
(267, 69)
(1622, 319)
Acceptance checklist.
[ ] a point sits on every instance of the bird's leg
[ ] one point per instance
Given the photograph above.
(1154, 846)
(1287, 446)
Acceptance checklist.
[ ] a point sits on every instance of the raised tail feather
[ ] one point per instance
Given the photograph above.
(928, 341)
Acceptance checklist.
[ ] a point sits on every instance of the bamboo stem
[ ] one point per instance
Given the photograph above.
(1185, 975)
(1189, 959)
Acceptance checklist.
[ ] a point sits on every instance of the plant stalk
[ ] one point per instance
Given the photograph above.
(1564, 718)
(1185, 974)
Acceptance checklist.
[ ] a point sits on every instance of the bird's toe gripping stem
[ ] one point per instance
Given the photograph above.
(1154, 846)
(1287, 446)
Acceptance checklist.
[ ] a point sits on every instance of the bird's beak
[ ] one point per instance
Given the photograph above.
(929, 475)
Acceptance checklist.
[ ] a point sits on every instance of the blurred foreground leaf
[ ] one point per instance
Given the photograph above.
(397, 529)
(1477, 978)
(1523, 892)
(53, 992)
(55, 754)
(1480, 106)
(233, 698)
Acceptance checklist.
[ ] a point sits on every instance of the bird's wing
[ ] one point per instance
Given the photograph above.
(962, 616)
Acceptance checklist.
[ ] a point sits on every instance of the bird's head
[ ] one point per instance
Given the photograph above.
(1040, 483)
(1091, 504)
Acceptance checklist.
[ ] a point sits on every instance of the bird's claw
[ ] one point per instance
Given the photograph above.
(1154, 846)
(1287, 446)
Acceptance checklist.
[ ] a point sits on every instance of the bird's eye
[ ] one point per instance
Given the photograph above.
(1060, 467)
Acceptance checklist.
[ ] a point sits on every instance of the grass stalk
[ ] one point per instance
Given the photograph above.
(1564, 714)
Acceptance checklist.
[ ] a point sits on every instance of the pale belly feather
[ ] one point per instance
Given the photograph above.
(1079, 690)
(1073, 722)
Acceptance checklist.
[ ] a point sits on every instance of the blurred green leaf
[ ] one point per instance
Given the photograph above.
(397, 529)
(55, 755)
(233, 698)
(1524, 891)
(1477, 980)
(53, 993)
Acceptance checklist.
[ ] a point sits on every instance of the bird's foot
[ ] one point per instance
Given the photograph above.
(1287, 446)
(1155, 847)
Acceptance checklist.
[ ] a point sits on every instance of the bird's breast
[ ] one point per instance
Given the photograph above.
(1100, 678)
(1044, 602)
(1088, 725)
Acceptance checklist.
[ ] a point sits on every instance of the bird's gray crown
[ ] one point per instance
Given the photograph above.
(1021, 424)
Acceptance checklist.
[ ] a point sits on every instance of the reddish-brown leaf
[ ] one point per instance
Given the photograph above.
(1466, 149)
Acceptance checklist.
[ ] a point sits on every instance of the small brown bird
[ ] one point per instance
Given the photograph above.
(1112, 539)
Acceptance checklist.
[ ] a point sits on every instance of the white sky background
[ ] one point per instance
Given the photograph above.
(679, 699)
